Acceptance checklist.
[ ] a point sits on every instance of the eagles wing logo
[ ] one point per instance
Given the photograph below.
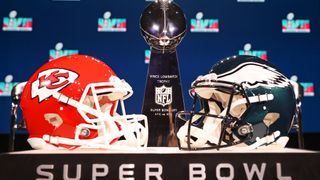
(51, 81)
(268, 76)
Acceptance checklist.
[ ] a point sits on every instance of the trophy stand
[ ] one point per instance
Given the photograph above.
(163, 97)
(163, 25)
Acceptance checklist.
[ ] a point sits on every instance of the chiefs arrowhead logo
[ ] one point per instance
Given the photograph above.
(51, 81)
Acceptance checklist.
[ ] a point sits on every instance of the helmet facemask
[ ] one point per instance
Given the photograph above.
(246, 102)
(219, 122)
(98, 108)
(114, 128)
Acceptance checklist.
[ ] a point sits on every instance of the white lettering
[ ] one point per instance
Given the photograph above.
(225, 166)
(104, 170)
(123, 172)
(66, 173)
(279, 173)
(41, 171)
(197, 171)
(254, 170)
(150, 173)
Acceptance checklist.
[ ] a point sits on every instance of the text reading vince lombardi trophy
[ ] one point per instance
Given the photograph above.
(163, 25)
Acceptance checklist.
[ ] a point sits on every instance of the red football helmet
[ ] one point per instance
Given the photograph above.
(72, 102)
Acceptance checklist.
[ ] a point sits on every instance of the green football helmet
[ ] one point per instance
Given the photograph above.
(245, 103)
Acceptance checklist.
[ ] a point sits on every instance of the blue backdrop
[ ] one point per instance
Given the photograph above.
(73, 25)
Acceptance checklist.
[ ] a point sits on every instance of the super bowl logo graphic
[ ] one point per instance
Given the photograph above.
(204, 25)
(107, 24)
(6, 86)
(58, 52)
(308, 88)
(147, 55)
(163, 95)
(258, 53)
(12, 23)
(290, 25)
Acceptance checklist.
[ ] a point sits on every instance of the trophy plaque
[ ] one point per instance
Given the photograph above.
(163, 25)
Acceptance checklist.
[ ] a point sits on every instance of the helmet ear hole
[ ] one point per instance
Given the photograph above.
(271, 118)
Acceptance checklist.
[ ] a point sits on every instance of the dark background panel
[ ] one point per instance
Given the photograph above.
(75, 25)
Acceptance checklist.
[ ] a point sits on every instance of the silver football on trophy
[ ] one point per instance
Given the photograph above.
(163, 25)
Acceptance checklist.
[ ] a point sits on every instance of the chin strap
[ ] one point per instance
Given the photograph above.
(202, 135)
(40, 143)
(266, 140)
(49, 142)
(52, 142)
(272, 141)
(135, 134)
(56, 140)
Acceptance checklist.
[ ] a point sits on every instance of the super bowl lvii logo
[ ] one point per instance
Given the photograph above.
(12, 23)
(147, 56)
(108, 24)
(308, 88)
(58, 52)
(291, 25)
(204, 25)
(6, 86)
(258, 53)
